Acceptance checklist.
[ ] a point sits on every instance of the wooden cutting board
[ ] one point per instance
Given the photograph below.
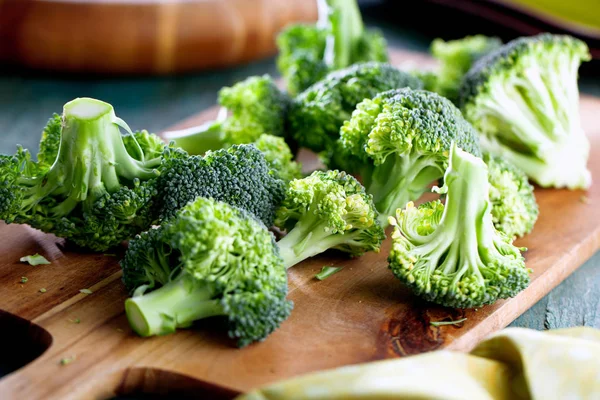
(360, 314)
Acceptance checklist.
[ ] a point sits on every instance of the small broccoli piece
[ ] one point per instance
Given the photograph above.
(456, 58)
(327, 210)
(210, 260)
(93, 193)
(318, 113)
(143, 145)
(279, 157)
(339, 39)
(523, 99)
(401, 140)
(257, 106)
(514, 209)
(452, 255)
(50, 141)
(238, 175)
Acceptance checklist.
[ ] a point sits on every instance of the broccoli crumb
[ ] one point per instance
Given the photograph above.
(85, 291)
(75, 321)
(34, 260)
(327, 271)
(24, 279)
(442, 323)
(67, 360)
(43, 290)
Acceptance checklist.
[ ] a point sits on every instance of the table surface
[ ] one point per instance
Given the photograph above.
(28, 99)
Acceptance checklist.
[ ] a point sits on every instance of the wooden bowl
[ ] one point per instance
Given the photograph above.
(143, 36)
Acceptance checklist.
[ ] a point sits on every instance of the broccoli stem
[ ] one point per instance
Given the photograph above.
(199, 139)
(175, 305)
(400, 180)
(346, 27)
(308, 238)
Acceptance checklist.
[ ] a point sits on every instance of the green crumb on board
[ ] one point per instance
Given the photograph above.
(327, 271)
(34, 260)
(442, 323)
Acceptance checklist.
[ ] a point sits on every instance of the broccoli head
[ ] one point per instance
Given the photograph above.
(523, 99)
(279, 157)
(238, 175)
(256, 106)
(327, 210)
(451, 254)
(93, 193)
(456, 58)
(400, 141)
(318, 113)
(339, 39)
(514, 209)
(210, 260)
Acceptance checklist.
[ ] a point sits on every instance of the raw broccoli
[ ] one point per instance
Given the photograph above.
(256, 106)
(399, 143)
(339, 39)
(238, 175)
(279, 157)
(523, 98)
(151, 145)
(318, 113)
(327, 210)
(210, 260)
(514, 209)
(456, 58)
(452, 255)
(93, 193)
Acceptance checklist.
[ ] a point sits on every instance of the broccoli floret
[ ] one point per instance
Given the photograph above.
(93, 193)
(279, 157)
(400, 142)
(327, 210)
(50, 141)
(456, 58)
(452, 255)
(210, 260)
(339, 39)
(514, 209)
(143, 145)
(318, 113)
(256, 106)
(238, 175)
(523, 99)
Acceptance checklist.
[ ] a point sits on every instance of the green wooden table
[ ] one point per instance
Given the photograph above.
(28, 100)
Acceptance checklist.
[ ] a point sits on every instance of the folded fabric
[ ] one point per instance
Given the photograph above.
(512, 364)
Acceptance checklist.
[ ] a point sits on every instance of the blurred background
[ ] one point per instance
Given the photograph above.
(159, 62)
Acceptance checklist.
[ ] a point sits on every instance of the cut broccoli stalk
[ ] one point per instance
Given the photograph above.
(202, 138)
(176, 305)
(346, 30)
(452, 254)
(523, 98)
(327, 210)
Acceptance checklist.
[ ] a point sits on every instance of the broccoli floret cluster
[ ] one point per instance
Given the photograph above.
(238, 175)
(210, 260)
(339, 39)
(327, 210)
(450, 253)
(523, 98)
(249, 109)
(85, 187)
(400, 141)
(318, 113)
(279, 157)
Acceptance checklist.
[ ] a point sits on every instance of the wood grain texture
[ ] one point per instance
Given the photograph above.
(143, 36)
(360, 314)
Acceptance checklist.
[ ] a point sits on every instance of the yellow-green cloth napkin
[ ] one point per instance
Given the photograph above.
(512, 364)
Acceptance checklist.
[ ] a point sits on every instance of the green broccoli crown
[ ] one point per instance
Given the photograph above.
(456, 58)
(523, 98)
(452, 255)
(279, 157)
(238, 175)
(93, 193)
(327, 210)
(338, 40)
(318, 113)
(210, 260)
(50, 141)
(514, 209)
(402, 139)
(300, 61)
(249, 109)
